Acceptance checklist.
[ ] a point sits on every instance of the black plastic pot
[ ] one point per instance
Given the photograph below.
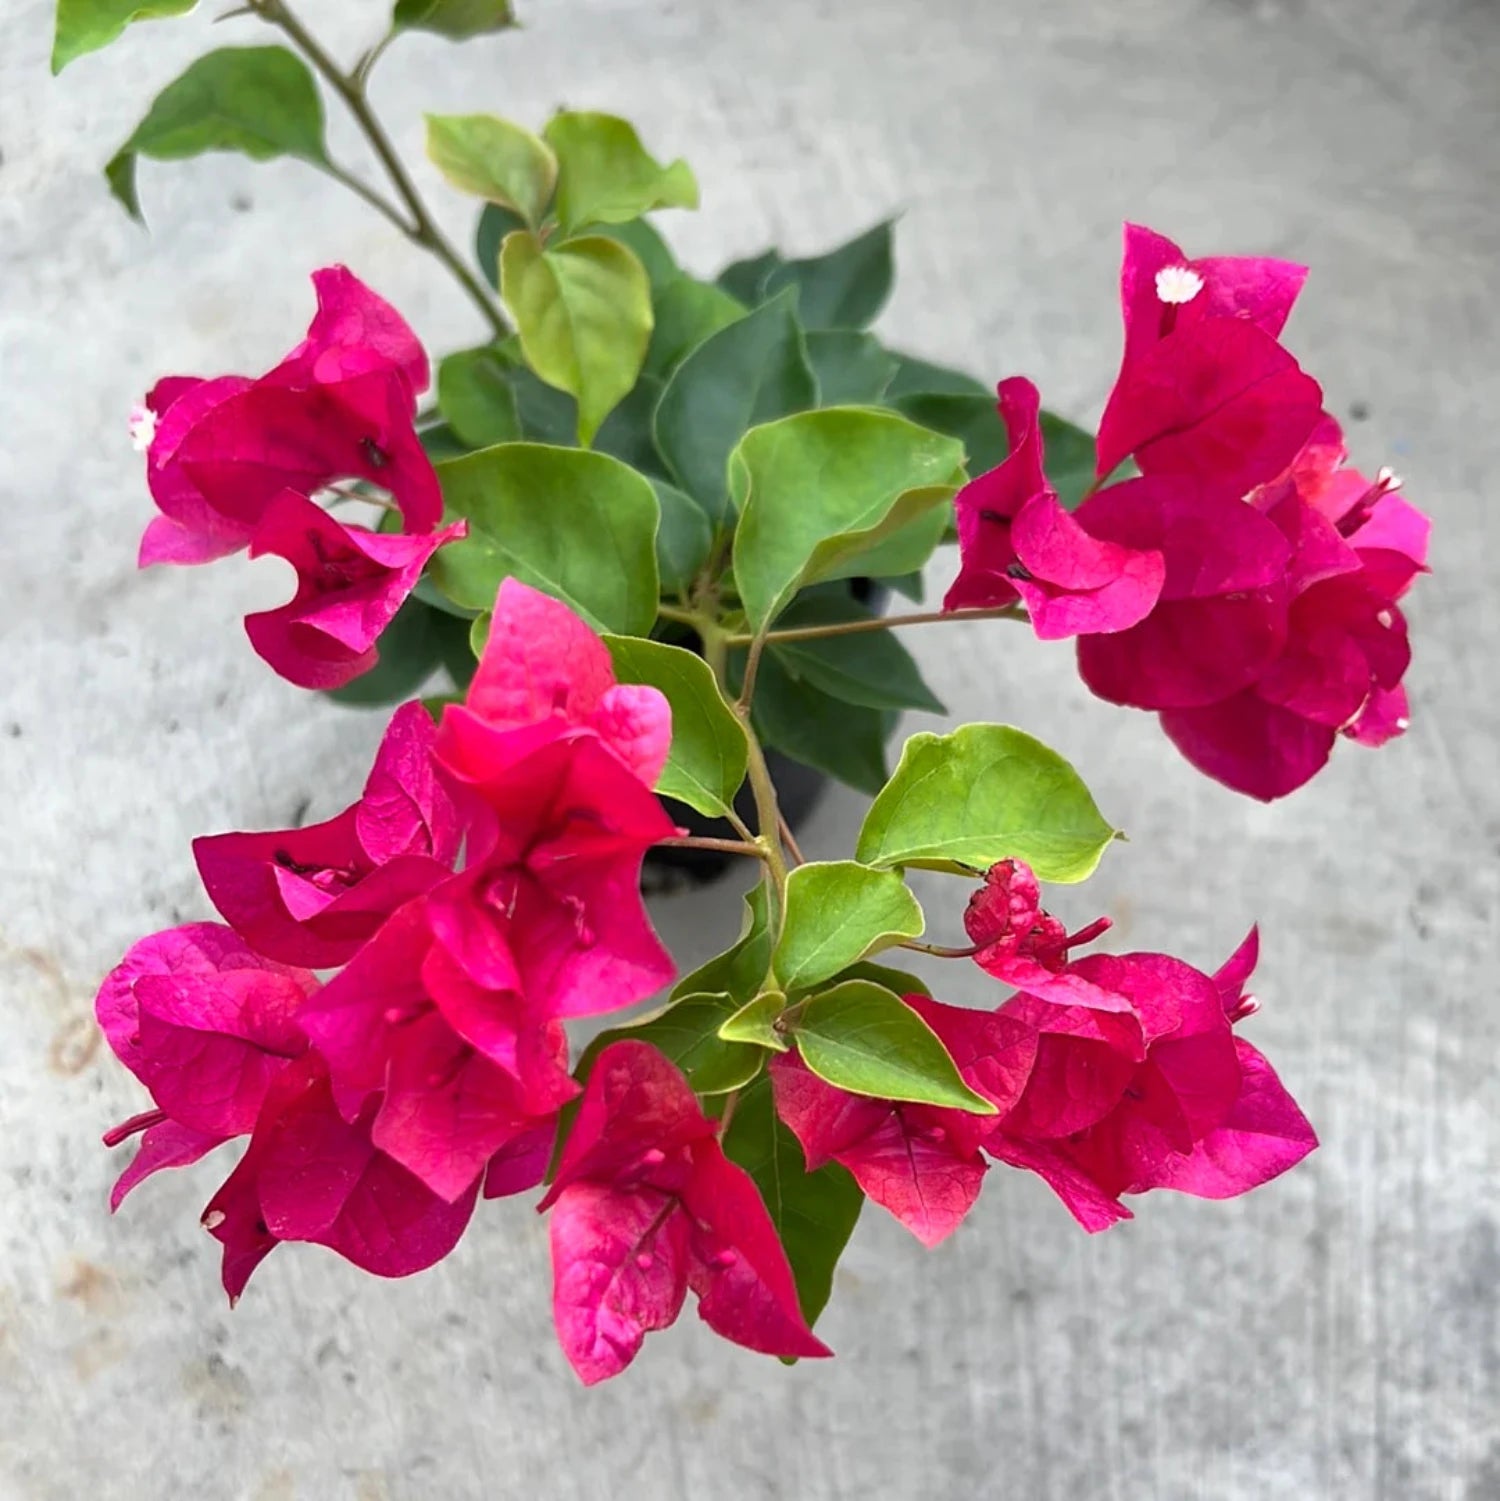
(799, 788)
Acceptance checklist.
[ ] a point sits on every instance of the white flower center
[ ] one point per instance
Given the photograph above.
(1385, 619)
(142, 425)
(1177, 284)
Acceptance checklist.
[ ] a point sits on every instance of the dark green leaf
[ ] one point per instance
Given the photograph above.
(87, 25)
(688, 311)
(605, 175)
(973, 420)
(261, 101)
(683, 540)
(837, 913)
(920, 377)
(750, 372)
(547, 415)
(494, 224)
(1069, 458)
(852, 368)
(814, 1213)
(867, 1040)
(412, 647)
(844, 288)
(592, 544)
(986, 792)
(440, 442)
(627, 431)
(475, 396)
(650, 249)
(740, 970)
(455, 19)
(745, 280)
(687, 1032)
(895, 980)
(583, 312)
(709, 750)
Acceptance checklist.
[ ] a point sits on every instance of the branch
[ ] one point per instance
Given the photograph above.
(879, 623)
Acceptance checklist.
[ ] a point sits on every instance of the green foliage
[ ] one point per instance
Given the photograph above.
(476, 398)
(851, 368)
(755, 1022)
(627, 433)
(844, 288)
(986, 792)
(592, 544)
(750, 372)
(973, 420)
(837, 913)
(650, 249)
(87, 25)
(261, 101)
(745, 280)
(494, 224)
(866, 1039)
(688, 311)
(686, 1030)
(605, 175)
(921, 377)
(583, 312)
(709, 749)
(683, 540)
(495, 160)
(1069, 458)
(814, 1213)
(740, 970)
(820, 492)
(417, 642)
(457, 20)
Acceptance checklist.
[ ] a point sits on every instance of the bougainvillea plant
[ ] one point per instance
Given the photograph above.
(637, 552)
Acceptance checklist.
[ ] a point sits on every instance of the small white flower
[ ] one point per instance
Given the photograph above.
(1176, 284)
(142, 427)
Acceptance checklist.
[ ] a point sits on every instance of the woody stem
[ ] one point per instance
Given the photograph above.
(726, 846)
(423, 229)
(876, 623)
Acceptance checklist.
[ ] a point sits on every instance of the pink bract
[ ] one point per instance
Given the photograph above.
(350, 583)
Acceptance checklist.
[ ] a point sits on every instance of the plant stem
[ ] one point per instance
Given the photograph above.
(752, 668)
(726, 846)
(941, 951)
(788, 840)
(423, 230)
(767, 815)
(879, 623)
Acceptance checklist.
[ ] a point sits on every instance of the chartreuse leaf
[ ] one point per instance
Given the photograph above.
(261, 101)
(865, 1039)
(494, 224)
(986, 792)
(820, 491)
(755, 1022)
(844, 288)
(606, 176)
(688, 311)
(837, 913)
(474, 395)
(749, 372)
(741, 969)
(651, 250)
(494, 159)
(814, 1213)
(579, 525)
(684, 540)
(869, 668)
(851, 367)
(709, 750)
(87, 25)
(973, 420)
(583, 311)
(455, 19)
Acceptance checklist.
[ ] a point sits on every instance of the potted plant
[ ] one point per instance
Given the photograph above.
(619, 569)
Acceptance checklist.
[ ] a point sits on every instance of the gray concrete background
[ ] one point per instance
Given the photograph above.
(1332, 1336)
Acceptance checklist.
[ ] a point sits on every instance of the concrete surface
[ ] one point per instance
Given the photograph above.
(1332, 1336)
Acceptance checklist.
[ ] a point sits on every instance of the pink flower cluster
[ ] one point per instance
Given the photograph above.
(1245, 585)
(232, 463)
(1109, 1074)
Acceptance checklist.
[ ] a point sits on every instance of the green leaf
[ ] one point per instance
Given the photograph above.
(688, 311)
(650, 249)
(579, 525)
(261, 101)
(411, 648)
(683, 540)
(745, 280)
(606, 176)
(1069, 458)
(494, 224)
(709, 749)
(895, 980)
(458, 20)
(851, 368)
(87, 25)
(803, 722)
(814, 1213)
(627, 433)
(973, 420)
(740, 970)
(817, 492)
(921, 377)
(547, 415)
(750, 372)
(867, 1040)
(440, 442)
(844, 288)
(583, 311)
(475, 396)
(687, 1031)
(837, 913)
(871, 668)
(494, 159)
(986, 792)
(755, 1021)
